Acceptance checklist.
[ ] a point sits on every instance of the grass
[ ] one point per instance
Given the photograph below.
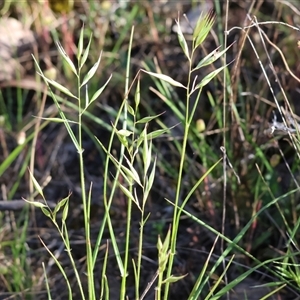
(175, 192)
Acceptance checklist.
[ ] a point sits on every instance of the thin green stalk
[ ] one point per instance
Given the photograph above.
(139, 257)
(176, 214)
(140, 246)
(63, 232)
(127, 246)
(108, 201)
(129, 206)
(86, 204)
(147, 183)
(140, 249)
(69, 251)
(137, 266)
(159, 285)
(61, 269)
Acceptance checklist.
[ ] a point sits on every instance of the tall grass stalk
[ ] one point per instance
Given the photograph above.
(82, 81)
(129, 202)
(201, 30)
(86, 202)
(107, 199)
